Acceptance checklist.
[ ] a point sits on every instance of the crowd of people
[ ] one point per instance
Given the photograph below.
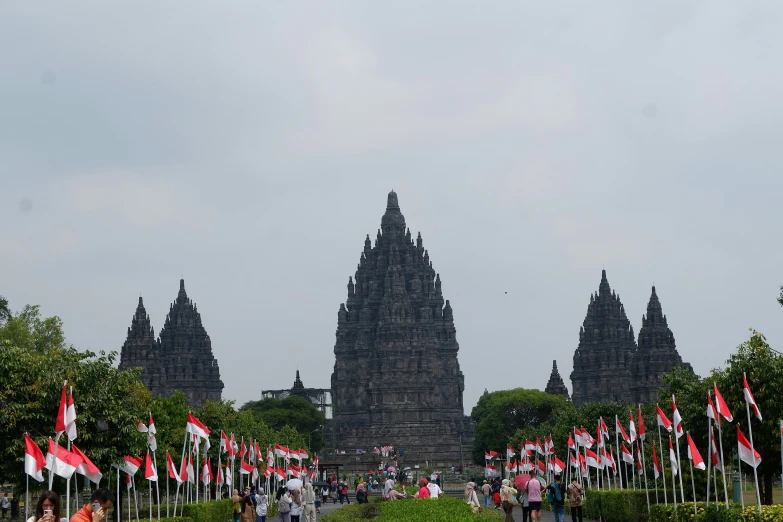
(505, 496)
(293, 505)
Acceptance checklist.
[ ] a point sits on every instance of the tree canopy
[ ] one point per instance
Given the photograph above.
(294, 412)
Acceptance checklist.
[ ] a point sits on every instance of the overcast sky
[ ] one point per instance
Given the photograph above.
(249, 146)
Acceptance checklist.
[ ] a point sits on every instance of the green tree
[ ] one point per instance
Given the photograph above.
(764, 369)
(500, 414)
(29, 330)
(293, 411)
(5, 311)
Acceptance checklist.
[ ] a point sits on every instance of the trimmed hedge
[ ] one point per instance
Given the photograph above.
(617, 505)
(446, 509)
(212, 511)
(684, 512)
(175, 519)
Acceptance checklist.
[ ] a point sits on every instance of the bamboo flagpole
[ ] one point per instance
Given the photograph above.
(642, 434)
(662, 420)
(677, 421)
(675, 471)
(617, 445)
(723, 411)
(693, 486)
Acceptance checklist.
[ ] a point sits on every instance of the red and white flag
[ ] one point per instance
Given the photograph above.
(539, 447)
(254, 476)
(490, 467)
(676, 420)
(627, 455)
(587, 439)
(66, 464)
(712, 413)
(549, 445)
(663, 420)
(716, 463)
(640, 427)
(510, 452)
(242, 450)
(172, 469)
(530, 446)
(206, 472)
(86, 468)
(246, 468)
(694, 455)
(632, 429)
(270, 458)
(190, 470)
(574, 461)
(749, 397)
(152, 429)
(603, 432)
(130, 464)
(672, 458)
(281, 451)
(70, 417)
(747, 453)
(141, 427)
(225, 443)
(541, 467)
(571, 444)
(656, 464)
(592, 459)
(60, 422)
(196, 427)
(152, 441)
(639, 468)
(229, 476)
(34, 460)
(150, 471)
(220, 480)
(489, 455)
(280, 473)
(721, 405)
(620, 430)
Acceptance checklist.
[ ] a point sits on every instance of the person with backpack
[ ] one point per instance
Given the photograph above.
(361, 494)
(575, 494)
(508, 499)
(556, 497)
(533, 488)
(284, 501)
(261, 505)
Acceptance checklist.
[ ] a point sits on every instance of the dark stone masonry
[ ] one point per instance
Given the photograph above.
(180, 359)
(608, 365)
(556, 386)
(396, 378)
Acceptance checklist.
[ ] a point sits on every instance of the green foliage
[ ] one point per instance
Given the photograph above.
(684, 513)
(175, 519)
(31, 378)
(212, 511)
(445, 509)
(293, 412)
(5, 310)
(499, 415)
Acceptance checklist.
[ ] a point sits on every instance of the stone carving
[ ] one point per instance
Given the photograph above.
(556, 386)
(396, 376)
(180, 360)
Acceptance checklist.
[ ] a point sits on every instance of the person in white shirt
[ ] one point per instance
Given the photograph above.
(435, 491)
(387, 487)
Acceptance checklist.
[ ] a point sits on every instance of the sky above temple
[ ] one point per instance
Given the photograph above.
(248, 147)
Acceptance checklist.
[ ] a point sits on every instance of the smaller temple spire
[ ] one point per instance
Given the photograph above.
(298, 387)
(555, 386)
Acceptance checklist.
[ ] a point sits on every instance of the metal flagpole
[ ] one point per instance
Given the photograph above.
(755, 466)
(663, 467)
(722, 463)
(617, 444)
(149, 486)
(198, 444)
(709, 460)
(679, 465)
(644, 472)
(742, 488)
(674, 484)
(67, 487)
(157, 489)
(693, 486)
(27, 497)
(168, 499)
(119, 511)
(135, 497)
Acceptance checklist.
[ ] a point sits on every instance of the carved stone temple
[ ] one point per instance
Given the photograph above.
(608, 364)
(180, 359)
(396, 378)
(556, 386)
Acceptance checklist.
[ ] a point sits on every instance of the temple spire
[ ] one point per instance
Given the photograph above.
(556, 386)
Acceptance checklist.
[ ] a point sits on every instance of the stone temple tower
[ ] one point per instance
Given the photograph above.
(140, 350)
(603, 359)
(396, 378)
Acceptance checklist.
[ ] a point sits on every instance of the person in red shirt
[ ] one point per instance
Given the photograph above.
(100, 502)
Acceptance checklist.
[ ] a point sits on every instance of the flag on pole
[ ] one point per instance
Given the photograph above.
(672, 458)
(130, 464)
(627, 455)
(639, 468)
(663, 420)
(70, 417)
(510, 452)
(242, 450)
(172, 469)
(571, 444)
(196, 427)
(539, 447)
(66, 463)
(270, 457)
(656, 464)
(712, 413)
(150, 472)
(229, 476)
(34, 460)
(632, 429)
(224, 442)
(722, 407)
(640, 427)
(190, 470)
(152, 428)
(489, 455)
(592, 459)
(220, 480)
(141, 427)
(530, 446)
(60, 422)
(716, 463)
(694, 455)
(746, 452)
(87, 468)
(206, 473)
(749, 397)
(541, 467)
(246, 468)
(619, 428)
(280, 473)
(676, 420)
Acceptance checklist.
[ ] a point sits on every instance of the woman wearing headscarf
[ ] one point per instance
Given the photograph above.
(470, 495)
(284, 501)
(261, 505)
(296, 505)
(507, 499)
(424, 491)
(308, 503)
(248, 507)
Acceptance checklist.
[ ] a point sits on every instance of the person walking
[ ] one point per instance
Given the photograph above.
(533, 489)
(308, 503)
(236, 507)
(575, 495)
(486, 490)
(508, 499)
(283, 500)
(556, 497)
(248, 513)
(470, 495)
(524, 504)
(5, 504)
(261, 505)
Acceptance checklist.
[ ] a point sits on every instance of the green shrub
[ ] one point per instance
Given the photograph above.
(175, 519)
(684, 512)
(617, 505)
(212, 511)
(445, 509)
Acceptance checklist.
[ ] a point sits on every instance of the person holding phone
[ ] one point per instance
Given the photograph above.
(101, 500)
(47, 509)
